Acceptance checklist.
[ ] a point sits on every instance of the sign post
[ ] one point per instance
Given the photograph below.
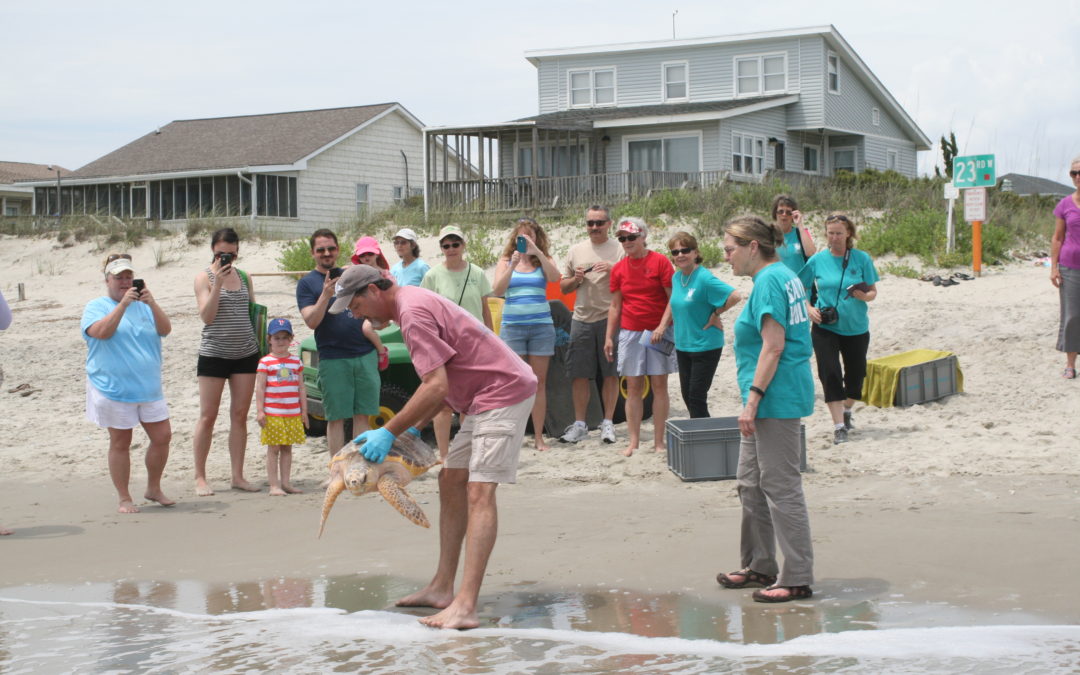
(951, 193)
(975, 173)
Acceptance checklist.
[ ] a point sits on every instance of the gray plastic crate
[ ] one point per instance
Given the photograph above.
(707, 448)
(927, 381)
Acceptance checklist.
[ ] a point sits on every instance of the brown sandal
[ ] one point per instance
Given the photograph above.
(793, 593)
(750, 578)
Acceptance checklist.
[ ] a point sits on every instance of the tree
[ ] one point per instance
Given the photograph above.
(948, 154)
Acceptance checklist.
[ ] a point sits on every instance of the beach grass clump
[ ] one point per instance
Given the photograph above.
(296, 256)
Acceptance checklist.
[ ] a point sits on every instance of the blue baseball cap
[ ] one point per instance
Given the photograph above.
(278, 326)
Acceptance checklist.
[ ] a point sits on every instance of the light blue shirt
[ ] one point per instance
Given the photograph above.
(411, 275)
(792, 253)
(693, 300)
(127, 366)
(826, 269)
(777, 293)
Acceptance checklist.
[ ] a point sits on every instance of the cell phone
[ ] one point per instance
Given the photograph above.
(336, 272)
(226, 259)
(138, 284)
(861, 286)
(522, 244)
(588, 269)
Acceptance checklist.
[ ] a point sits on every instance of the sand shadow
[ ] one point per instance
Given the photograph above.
(45, 532)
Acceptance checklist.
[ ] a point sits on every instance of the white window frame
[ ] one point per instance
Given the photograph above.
(664, 81)
(363, 205)
(626, 140)
(760, 58)
(817, 158)
(832, 67)
(843, 148)
(11, 210)
(892, 160)
(585, 155)
(592, 87)
(757, 141)
(875, 117)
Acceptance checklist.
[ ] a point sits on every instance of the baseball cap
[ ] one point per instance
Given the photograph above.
(451, 231)
(406, 233)
(352, 280)
(277, 326)
(632, 226)
(119, 265)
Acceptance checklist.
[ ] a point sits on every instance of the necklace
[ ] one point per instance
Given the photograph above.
(684, 279)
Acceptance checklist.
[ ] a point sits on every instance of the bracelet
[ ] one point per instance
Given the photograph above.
(760, 392)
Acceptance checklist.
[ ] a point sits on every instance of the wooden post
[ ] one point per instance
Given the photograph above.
(976, 247)
(21, 291)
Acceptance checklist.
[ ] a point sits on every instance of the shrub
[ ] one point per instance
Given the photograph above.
(296, 256)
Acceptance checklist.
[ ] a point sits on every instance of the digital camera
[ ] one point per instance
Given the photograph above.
(829, 315)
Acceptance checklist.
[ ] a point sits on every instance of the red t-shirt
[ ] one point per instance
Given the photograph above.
(484, 373)
(642, 282)
(283, 377)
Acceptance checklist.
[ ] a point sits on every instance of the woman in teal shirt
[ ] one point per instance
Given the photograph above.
(697, 301)
(798, 244)
(846, 281)
(772, 360)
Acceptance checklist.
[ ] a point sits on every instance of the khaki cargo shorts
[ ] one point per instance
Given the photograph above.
(489, 444)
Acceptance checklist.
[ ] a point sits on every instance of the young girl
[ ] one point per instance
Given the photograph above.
(367, 252)
(282, 403)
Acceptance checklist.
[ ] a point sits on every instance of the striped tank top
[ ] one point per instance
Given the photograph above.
(526, 299)
(230, 336)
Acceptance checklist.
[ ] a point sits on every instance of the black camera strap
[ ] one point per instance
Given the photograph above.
(843, 271)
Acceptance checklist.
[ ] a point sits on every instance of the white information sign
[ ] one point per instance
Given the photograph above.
(951, 191)
(975, 204)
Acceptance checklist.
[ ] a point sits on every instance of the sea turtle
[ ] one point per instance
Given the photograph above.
(409, 457)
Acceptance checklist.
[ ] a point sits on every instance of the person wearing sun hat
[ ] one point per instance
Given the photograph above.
(410, 270)
(123, 331)
(367, 252)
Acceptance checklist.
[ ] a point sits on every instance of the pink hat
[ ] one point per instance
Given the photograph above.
(369, 245)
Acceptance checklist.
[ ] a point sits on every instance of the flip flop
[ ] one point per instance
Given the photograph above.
(949, 282)
(937, 280)
(965, 277)
(24, 385)
(1069, 373)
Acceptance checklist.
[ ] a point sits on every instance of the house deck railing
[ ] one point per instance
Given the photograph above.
(526, 192)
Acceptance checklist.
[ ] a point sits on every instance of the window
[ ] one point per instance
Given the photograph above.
(592, 87)
(779, 155)
(875, 117)
(832, 67)
(677, 154)
(892, 160)
(676, 87)
(843, 160)
(810, 159)
(764, 74)
(11, 210)
(399, 194)
(569, 160)
(361, 200)
(747, 154)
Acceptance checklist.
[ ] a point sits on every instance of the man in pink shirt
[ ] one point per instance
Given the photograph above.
(464, 365)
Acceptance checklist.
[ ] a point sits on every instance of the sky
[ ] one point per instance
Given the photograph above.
(81, 79)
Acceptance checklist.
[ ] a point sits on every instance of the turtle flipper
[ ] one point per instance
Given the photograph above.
(400, 500)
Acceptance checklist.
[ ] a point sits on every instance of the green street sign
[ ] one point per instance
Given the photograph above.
(974, 171)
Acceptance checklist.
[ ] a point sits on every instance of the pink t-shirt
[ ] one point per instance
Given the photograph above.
(484, 373)
(1069, 256)
(642, 282)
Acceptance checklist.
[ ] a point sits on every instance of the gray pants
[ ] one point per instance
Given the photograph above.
(773, 505)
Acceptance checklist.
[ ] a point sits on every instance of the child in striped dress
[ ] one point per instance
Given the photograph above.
(282, 403)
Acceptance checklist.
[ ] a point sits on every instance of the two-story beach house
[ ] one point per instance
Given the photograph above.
(618, 119)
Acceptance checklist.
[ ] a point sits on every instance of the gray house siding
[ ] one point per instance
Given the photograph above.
(764, 124)
(851, 109)
(810, 110)
(877, 154)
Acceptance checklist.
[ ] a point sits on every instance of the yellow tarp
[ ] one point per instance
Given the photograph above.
(883, 375)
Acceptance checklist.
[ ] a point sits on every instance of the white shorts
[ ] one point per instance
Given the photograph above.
(637, 359)
(109, 414)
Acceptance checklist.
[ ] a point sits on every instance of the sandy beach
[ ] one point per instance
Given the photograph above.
(971, 501)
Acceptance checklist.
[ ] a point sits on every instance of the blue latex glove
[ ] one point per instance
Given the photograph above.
(414, 431)
(376, 444)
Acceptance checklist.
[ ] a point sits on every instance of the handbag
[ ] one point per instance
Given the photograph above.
(258, 315)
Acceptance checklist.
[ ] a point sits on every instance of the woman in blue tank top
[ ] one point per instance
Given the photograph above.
(522, 276)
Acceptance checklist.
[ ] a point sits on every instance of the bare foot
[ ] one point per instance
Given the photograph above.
(661, 448)
(127, 506)
(4, 532)
(427, 597)
(277, 492)
(244, 486)
(203, 489)
(629, 451)
(541, 446)
(291, 490)
(452, 618)
(159, 497)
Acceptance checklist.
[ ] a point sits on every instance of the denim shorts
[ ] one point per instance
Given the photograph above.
(536, 339)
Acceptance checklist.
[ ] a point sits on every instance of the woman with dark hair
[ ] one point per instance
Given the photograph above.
(772, 359)
(1065, 271)
(697, 300)
(846, 280)
(228, 353)
(798, 244)
(410, 270)
(522, 276)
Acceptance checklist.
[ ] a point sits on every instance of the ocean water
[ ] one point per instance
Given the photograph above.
(343, 624)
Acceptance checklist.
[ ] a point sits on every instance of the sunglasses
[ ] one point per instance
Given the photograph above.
(833, 219)
(784, 212)
(452, 244)
(680, 251)
(117, 256)
(1074, 174)
(596, 223)
(628, 237)
(326, 249)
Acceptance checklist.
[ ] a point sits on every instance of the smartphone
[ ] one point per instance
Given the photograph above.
(522, 244)
(138, 284)
(226, 259)
(588, 269)
(336, 272)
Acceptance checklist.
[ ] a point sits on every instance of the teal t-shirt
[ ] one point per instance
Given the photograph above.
(693, 299)
(777, 293)
(792, 252)
(826, 269)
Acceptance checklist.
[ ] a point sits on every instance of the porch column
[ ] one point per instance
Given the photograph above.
(535, 164)
(480, 162)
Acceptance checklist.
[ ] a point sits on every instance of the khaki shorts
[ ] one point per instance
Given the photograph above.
(489, 444)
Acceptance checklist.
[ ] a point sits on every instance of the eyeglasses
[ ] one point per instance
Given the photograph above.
(681, 251)
(326, 249)
(449, 245)
(1074, 174)
(117, 256)
(784, 212)
(401, 242)
(596, 223)
(629, 237)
